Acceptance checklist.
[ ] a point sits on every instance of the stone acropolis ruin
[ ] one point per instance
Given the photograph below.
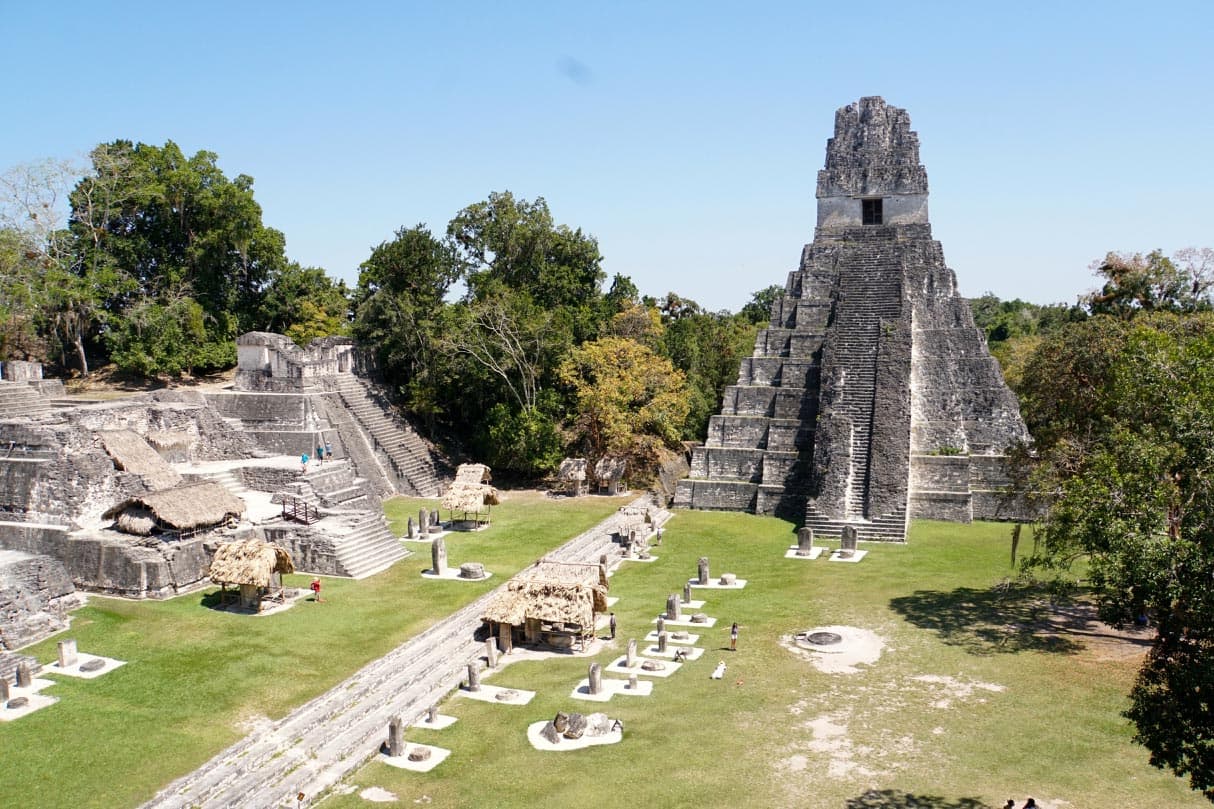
(871, 398)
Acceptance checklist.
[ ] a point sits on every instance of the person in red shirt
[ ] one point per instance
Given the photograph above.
(316, 589)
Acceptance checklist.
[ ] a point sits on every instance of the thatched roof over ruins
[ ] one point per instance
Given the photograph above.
(475, 473)
(572, 469)
(249, 561)
(610, 468)
(470, 497)
(131, 453)
(198, 505)
(551, 591)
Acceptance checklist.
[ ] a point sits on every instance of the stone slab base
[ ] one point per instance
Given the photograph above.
(711, 622)
(540, 743)
(437, 756)
(619, 666)
(692, 653)
(452, 574)
(837, 556)
(489, 693)
(611, 687)
(716, 584)
(652, 637)
(441, 722)
(638, 559)
(791, 553)
(82, 658)
(36, 703)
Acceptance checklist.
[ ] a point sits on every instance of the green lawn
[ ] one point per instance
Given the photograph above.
(195, 677)
(967, 706)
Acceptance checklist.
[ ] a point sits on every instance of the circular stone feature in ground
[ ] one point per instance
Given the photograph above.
(819, 638)
(836, 649)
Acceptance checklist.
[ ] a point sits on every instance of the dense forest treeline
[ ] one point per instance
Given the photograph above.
(496, 334)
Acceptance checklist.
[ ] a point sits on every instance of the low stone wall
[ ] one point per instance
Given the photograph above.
(35, 595)
(310, 550)
(267, 478)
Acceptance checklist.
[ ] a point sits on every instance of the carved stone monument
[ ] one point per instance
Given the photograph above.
(702, 570)
(805, 541)
(596, 678)
(674, 610)
(661, 624)
(662, 643)
(491, 653)
(396, 737)
(631, 659)
(438, 556)
(847, 541)
(25, 677)
(687, 592)
(67, 653)
(871, 397)
(423, 521)
(474, 676)
(412, 530)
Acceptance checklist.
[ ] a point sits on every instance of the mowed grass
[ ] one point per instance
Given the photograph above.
(968, 705)
(196, 677)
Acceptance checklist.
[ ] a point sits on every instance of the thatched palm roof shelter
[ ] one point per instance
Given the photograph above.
(550, 600)
(184, 509)
(255, 566)
(609, 472)
(249, 561)
(471, 494)
(131, 453)
(572, 476)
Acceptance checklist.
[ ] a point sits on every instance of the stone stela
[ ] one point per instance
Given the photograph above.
(871, 398)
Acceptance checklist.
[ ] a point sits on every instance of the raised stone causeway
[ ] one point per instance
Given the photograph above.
(871, 397)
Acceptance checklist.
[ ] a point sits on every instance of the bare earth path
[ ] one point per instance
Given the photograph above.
(316, 745)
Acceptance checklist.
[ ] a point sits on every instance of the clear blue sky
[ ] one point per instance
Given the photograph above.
(685, 136)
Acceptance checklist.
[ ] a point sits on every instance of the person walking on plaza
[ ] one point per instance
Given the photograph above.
(733, 637)
(612, 625)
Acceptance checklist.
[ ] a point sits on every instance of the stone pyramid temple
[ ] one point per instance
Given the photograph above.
(871, 398)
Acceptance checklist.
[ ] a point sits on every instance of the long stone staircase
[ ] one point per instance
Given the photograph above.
(409, 456)
(318, 744)
(369, 547)
(18, 399)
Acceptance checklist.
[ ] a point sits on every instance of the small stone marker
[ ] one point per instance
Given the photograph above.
(673, 609)
(67, 653)
(661, 643)
(703, 569)
(419, 753)
(661, 624)
(24, 677)
(96, 664)
(396, 737)
(699, 618)
(412, 532)
(653, 665)
(632, 543)
(506, 695)
(632, 682)
(577, 726)
(729, 579)
(848, 540)
(632, 653)
(432, 714)
(423, 521)
(436, 527)
(438, 556)
(560, 721)
(551, 734)
(474, 676)
(596, 678)
(17, 702)
(491, 652)
(470, 570)
(687, 592)
(679, 635)
(805, 541)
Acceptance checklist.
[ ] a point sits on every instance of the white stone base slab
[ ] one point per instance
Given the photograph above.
(619, 666)
(452, 574)
(36, 703)
(715, 584)
(639, 559)
(690, 640)
(836, 556)
(440, 722)
(36, 685)
(488, 693)
(437, 756)
(82, 658)
(540, 743)
(814, 553)
(686, 621)
(612, 600)
(611, 687)
(691, 605)
(690, 652)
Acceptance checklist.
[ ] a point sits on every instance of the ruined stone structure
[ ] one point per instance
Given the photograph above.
(871, 398)
(132, 496)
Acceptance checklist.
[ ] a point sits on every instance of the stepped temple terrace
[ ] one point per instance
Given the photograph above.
(871, 398)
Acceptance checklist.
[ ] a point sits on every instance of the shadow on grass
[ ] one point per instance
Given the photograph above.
(1004, 619)
(896, 799)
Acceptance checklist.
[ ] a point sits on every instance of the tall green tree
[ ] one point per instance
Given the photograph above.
(177, 246)
(1122, 463)
(304, 303)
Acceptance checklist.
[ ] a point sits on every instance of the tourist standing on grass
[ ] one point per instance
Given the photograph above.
(611, 623)
(733, 637)
(316, 589)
